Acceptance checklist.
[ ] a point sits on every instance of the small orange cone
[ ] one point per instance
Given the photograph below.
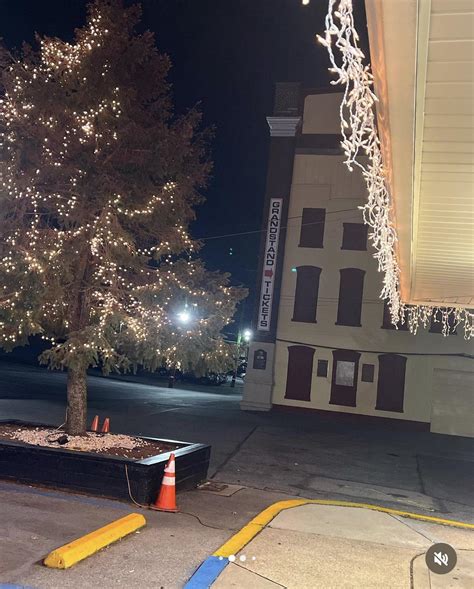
(95, 424)
(166, 500)
(106, 426)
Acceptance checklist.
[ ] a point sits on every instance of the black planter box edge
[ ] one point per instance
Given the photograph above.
(100, 474)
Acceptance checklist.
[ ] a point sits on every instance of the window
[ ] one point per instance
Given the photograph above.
(306, 294)
(354, 236)
(437, 323)
(367, 373)
(351, 289)
(322, 368)
(387, 321)
(391, 382)
(299, 374)
(344, 378)
(312, 227)
(345, 372)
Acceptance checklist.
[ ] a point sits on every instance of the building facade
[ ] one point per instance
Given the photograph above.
(323, 337)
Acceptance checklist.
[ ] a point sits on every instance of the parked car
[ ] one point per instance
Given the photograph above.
(165, 372)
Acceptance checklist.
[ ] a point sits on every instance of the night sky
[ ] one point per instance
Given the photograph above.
(227, 56)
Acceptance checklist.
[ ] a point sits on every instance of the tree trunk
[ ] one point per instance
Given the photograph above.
(172, 377)
(76, 401)
(76, 413)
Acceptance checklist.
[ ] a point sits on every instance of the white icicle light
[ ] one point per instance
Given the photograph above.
(360, 138)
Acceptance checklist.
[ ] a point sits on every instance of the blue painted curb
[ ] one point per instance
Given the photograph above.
(7, 586)
(207, 573)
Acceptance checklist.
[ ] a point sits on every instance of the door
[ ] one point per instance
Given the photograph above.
(345, 371)
(300, 373)
(391, 382)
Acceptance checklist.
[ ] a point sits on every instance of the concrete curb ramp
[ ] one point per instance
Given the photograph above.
(213, 566)
(72, 553)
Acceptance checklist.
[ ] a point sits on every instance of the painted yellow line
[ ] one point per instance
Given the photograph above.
(256, 525)
(70, 554)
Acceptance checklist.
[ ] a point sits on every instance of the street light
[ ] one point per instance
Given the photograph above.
(245, 335)
(184, 317)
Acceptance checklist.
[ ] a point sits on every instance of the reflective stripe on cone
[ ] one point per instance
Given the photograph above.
(166, 500)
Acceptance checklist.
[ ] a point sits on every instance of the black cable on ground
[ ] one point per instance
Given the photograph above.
(154, 508)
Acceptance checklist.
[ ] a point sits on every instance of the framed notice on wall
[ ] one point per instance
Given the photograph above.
(269, 264)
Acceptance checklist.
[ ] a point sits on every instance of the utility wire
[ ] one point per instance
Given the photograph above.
(286, 341)
(285, 227)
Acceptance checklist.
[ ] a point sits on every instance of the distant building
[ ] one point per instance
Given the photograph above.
(323, 338)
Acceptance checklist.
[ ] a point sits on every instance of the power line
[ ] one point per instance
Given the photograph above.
(285, 227)
(286, 341)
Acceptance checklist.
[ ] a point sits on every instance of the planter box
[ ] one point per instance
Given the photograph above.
(97, 474)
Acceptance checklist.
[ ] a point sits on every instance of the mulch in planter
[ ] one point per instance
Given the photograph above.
(110, 444)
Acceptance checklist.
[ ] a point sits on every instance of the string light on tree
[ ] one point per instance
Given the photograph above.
(361, 146)
(98, 183)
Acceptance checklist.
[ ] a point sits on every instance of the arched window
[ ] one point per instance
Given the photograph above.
(351, 288)
(387, 320)
(300, 373)
(391, 382)
(312, 227)
(306, 294)
(354, 236)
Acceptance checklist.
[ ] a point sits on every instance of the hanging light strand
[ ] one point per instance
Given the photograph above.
(362, 149)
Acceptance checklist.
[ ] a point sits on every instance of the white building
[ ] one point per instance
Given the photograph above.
(323, 340)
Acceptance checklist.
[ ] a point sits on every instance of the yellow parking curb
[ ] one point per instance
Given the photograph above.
(70, 554)
(256, 525)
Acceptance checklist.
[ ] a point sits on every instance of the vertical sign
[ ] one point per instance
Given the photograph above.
(269, 264)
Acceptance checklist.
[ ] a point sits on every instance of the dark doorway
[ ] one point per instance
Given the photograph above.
(391, 382)
(300, 373)
(345, 370)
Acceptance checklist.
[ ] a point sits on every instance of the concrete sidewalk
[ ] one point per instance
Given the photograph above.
(345, 547)
(303, 547)
(164, 554)
(36, 521)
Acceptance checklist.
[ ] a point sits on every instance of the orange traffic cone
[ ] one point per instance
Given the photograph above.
(106, 426)
(166, 500)
(95, 424)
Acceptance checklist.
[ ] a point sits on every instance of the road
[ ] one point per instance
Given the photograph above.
(308, 455)
(204, 414)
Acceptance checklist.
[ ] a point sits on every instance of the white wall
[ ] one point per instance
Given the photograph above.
(438, 389)
(321, 113)
(323, 181)
(453, 399)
